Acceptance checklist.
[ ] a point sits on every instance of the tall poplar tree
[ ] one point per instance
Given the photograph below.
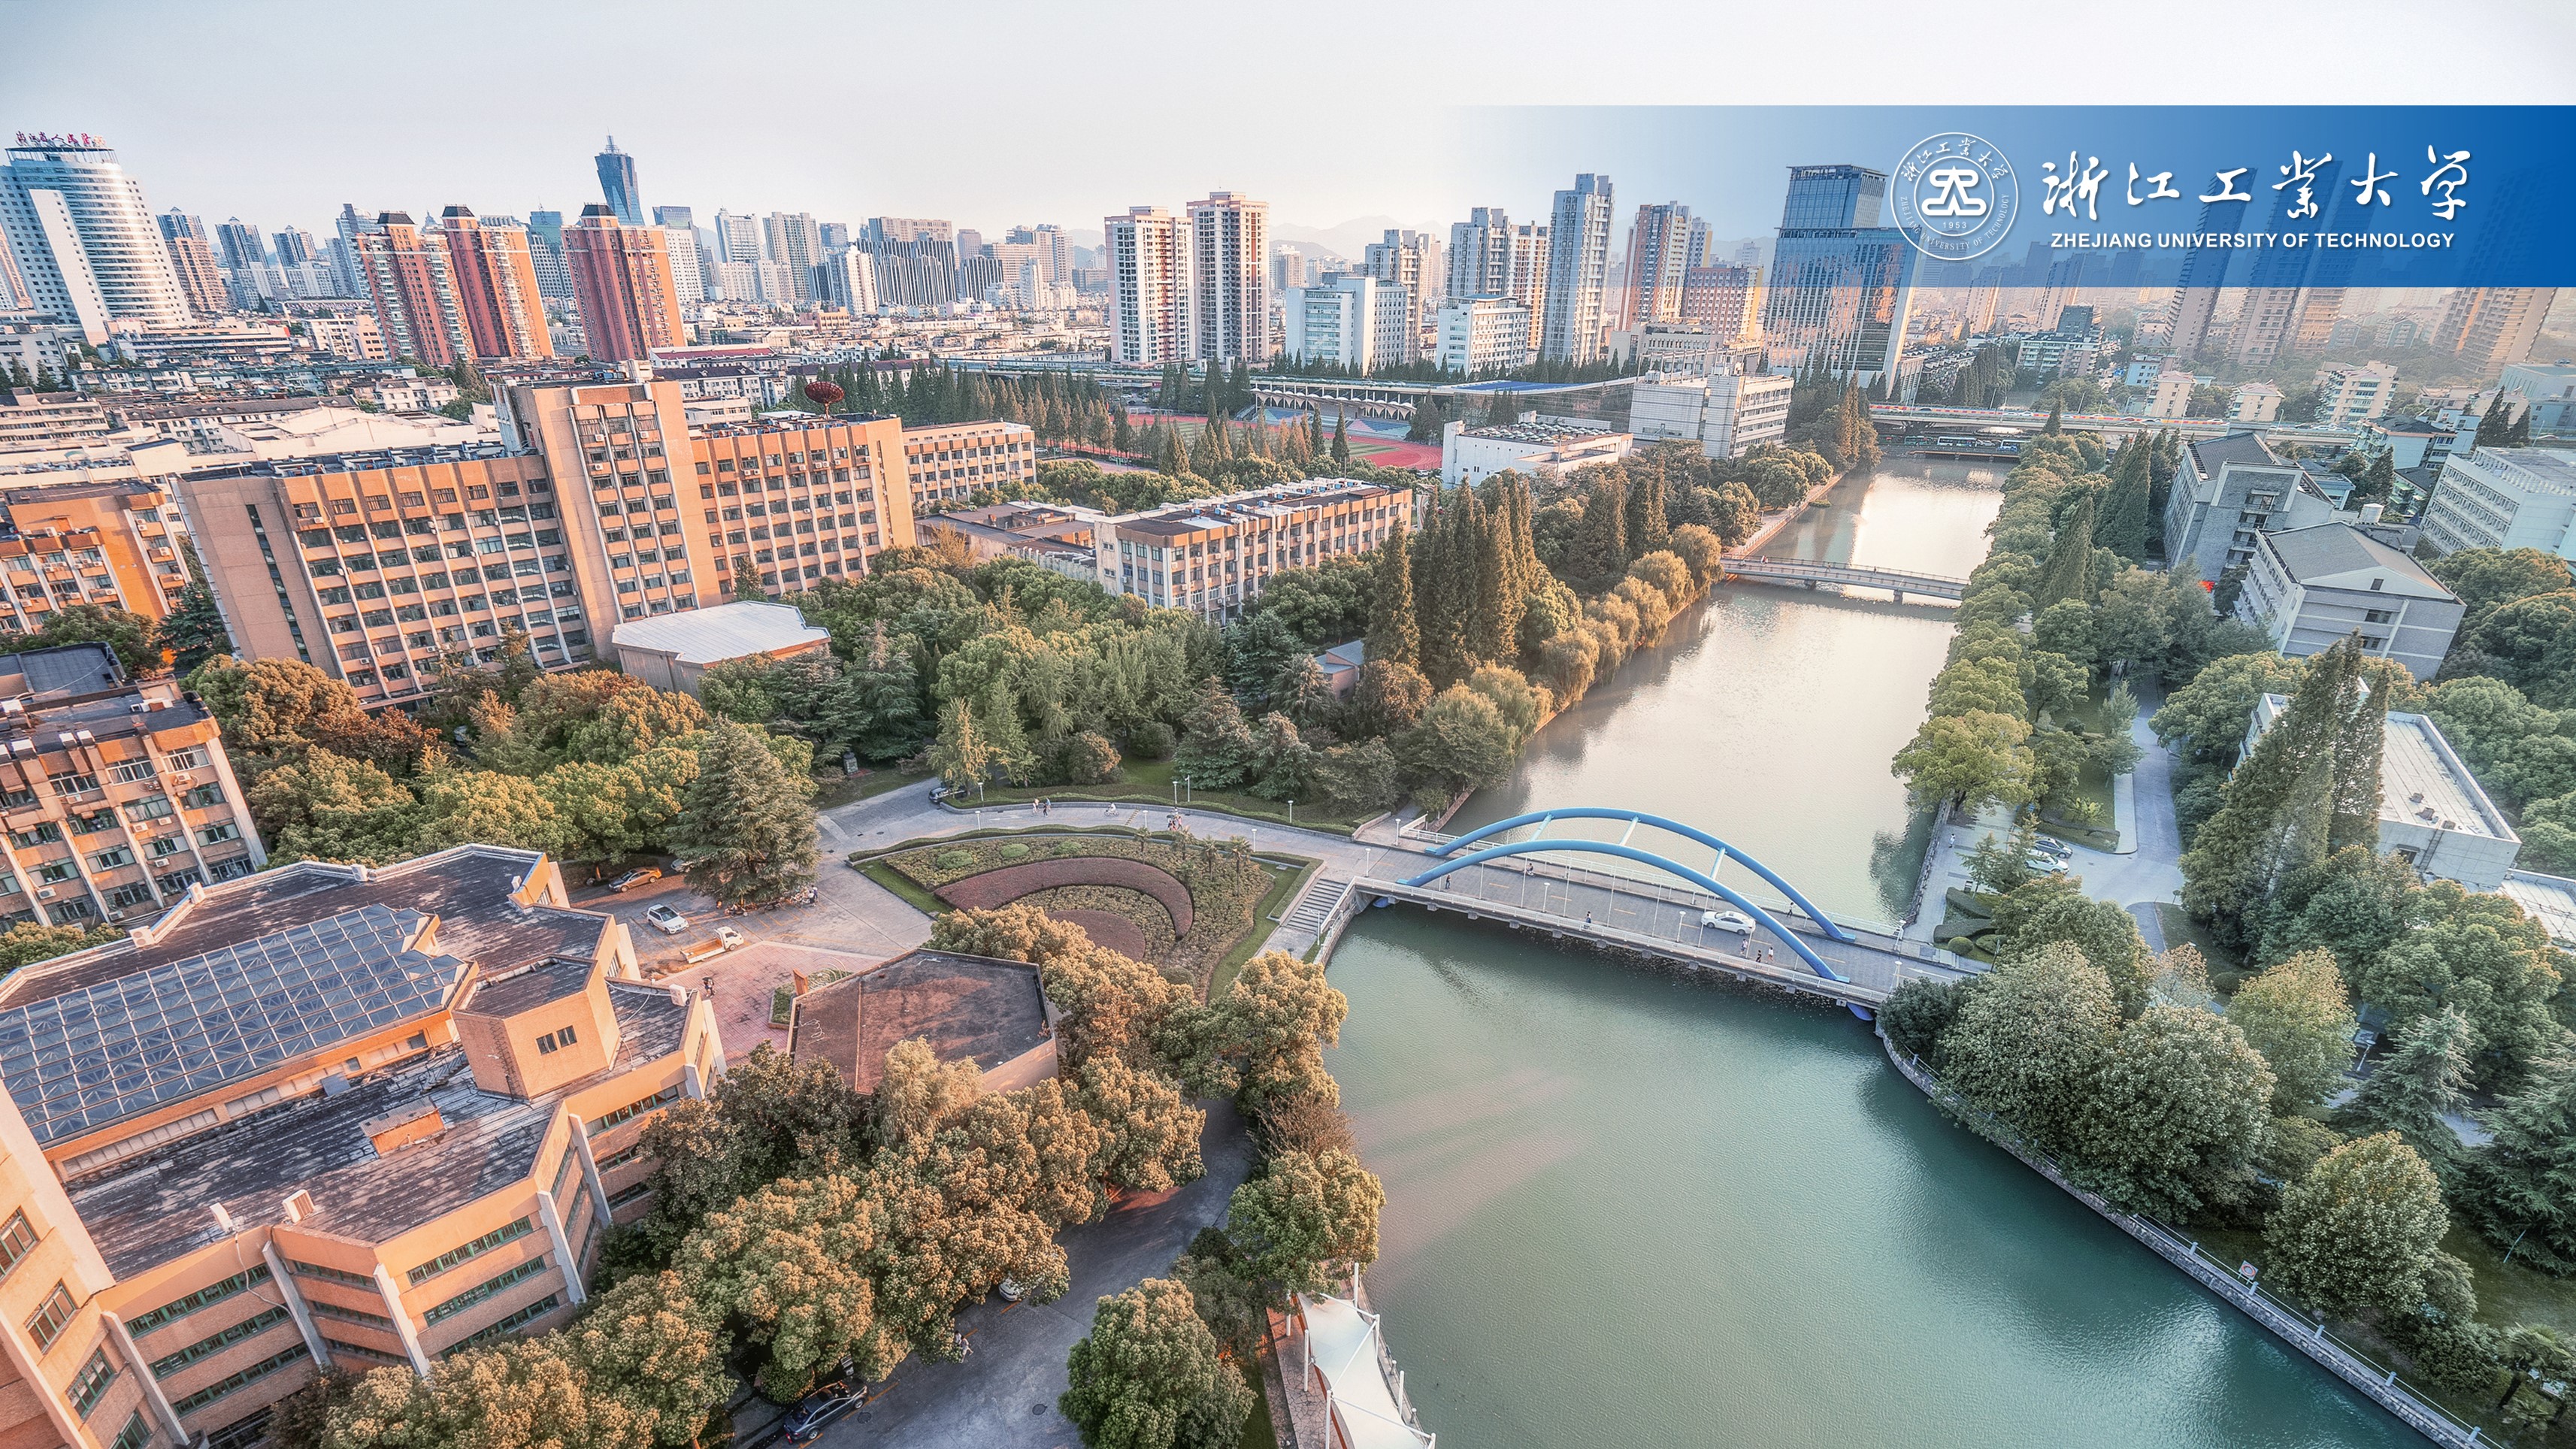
(2278, 810)
(1601, 539)
(2122, 526)
(2069, 571)
(1341, 440)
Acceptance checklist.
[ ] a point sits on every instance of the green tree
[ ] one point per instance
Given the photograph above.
(2278, 811)
(2029, 1041)
(747, 830)
(133, 637)
(2033, 918)
(960, 756)
(1461, 743)
(2122, 526)
(329, 807)
(1341, 440)
(485, 807)
(28, 942)
(2297, 1015)
(769, 1116)
(2522, 1186)
(1968, 760)
(1149, 1375)
(2208, 717)
(1307, 1220)
(1601, 544)
(650, 1350)
(1393, 635)
(2480, 954)
(1235, 1308)
(193, 631)
(1276, 1021)
(2069, 571)
(789, 1267)
(2359, 1233)
(2178, 1112)
(2487, 579)
(515, 1394)
(2423, 1079)
(1217, 750)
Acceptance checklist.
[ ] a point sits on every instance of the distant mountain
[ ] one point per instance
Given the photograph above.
(1349, 240)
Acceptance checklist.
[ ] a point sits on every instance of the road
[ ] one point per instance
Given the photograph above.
(1002, 1396)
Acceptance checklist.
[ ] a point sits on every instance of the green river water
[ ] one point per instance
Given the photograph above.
(1623, 1211)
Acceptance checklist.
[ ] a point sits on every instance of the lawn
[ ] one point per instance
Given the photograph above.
(830, 794)
(1257, 1430)
(1150, 782)
(2226, 969)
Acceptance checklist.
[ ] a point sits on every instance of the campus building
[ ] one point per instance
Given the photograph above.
(2228, 490)
(116, 800)
(600, 504)
(2310, 588)
(949, 463)
(1212, 555)
(1471, 455)
(361, 1117)
(1727, 414)
(675, 651)
(89, 543)
(2432, 813)
(2505, 498)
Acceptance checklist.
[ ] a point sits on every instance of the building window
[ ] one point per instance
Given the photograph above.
(91, 1384)
(484, 1291)
(465, 1252)
(248, 1328)
(136, 1433)
(328, 1275)
(52, 1317)
(511, 1324)
(290, 1354)
(17, 1240)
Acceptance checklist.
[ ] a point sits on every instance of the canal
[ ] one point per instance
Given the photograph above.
(1627, 1212)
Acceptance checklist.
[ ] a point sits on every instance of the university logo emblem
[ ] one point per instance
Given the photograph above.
(1954, 196)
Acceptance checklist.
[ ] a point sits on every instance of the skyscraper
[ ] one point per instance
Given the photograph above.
(192, 256)
(1725, 301)
(344, 250)
(85, 245)
(1660, 250)
(1528, 284)
(1578, 263)
(670, 216)
(2204, 270)
(1230, 276)
(796, 243)
(1841, 285)
(738, 238)
(621, 281)
(1149, 281)
(617, 183)
(1480, 255)
(496, 285)
(413, 283)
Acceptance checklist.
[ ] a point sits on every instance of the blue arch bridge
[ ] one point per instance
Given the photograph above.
(1677, 912)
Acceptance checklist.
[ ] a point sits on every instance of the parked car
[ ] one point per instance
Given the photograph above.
(730, 938)
(1011, 1289)
(667, 920)
(641, 875)
(805, 1422)
(1736, 921)
(2051, 845)
(2045, 864)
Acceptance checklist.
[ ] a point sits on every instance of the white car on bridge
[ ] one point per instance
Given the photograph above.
(1736, 921)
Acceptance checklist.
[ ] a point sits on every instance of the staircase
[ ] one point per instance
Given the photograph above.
(1317, 905)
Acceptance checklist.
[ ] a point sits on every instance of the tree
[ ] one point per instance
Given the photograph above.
(515, 1394)
(2069, 571)
(650, 1349)
(2421, 1081)
(2036, 917)
(2487, 579)
(2530, 644)
(133, 637)
(1393, 636)
(2297, 1015)
(2029, 1040)
(1149, 1375)
(2358, 1233)
(1461, 743)
(2523, 1185)
(2480, 954)
(1968, 760)
(1600, 555)
(790, 1267)
(1307, 1220)
(2280, 811)
(1341, 440)
(193, 631)
(1234, 1307)
(1276, 1020)
(29, 942)
(2178, 1112)
(2122, 526)
(769, 1116)
(1918, 1013)
(1217, 750)
(2209, 716)
(747, 831)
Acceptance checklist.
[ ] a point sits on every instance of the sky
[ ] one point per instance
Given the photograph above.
(1008, 113)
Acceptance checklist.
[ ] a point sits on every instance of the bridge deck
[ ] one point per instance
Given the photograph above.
(1820, 571)
(1665, 921)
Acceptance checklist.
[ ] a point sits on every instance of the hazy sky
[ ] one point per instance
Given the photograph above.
(1007, 112)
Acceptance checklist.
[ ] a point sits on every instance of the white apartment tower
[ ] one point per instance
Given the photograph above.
(1480, 255)
(1528, 285)
(1402, 265)
(1578, 262)
(1659, 255)
(1230, 275)
(84, 243)
(1149, 280)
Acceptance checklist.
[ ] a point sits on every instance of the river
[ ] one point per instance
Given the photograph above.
(1627, 1212)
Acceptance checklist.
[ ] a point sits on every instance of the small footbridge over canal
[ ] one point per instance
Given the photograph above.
(1819, 573)
(1529, 873)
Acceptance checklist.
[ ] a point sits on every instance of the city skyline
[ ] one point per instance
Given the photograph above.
(185, 123)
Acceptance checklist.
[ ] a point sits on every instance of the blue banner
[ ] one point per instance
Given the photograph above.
(2352, 196)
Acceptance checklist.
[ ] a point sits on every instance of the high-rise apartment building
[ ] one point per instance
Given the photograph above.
(344, 249)
(621, 282)
(192, 256)
(496, 285)
(1287, 268)
(1724, 301)
(680, 216)
(240, 245)
(83, 242)
(850, 281)
(2196, 290)
(1528, 285)
(1578, 264)
(617, 184)
(545, 247)
(1150, 290)
(1402, 264)
(2493, 327)
(688, 269)
(795, 243)
(738, 238)
(1335, 320)
(1230, 280)
(1841, 285)
(1480, 255)
(1481, 336)
(1659, 255)
(910, 229)
(598, 505)
(412, 279)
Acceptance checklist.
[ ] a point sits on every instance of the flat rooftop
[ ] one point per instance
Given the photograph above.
(372, 461)
(2548, 899)
(156, 1208)
(2423, 783)
(967, 1007)
(724, 631)
(1536, 432)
